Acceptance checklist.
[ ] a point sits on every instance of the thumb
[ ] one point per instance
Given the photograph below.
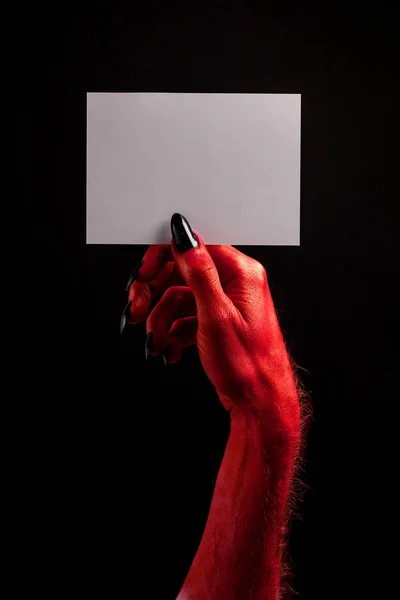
(196, 265)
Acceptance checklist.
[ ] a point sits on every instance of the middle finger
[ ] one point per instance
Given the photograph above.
(141, 295)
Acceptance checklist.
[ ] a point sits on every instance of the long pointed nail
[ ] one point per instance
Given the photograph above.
(182, 233)
(147, 345)
(124, 316)
(132, 276)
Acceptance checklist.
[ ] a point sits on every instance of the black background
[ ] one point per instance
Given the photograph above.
(123, 457)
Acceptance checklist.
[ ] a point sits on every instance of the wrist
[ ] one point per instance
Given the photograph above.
(268, 426)
(274, 416)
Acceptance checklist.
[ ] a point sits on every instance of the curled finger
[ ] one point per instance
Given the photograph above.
(176, 302)
(182, 334)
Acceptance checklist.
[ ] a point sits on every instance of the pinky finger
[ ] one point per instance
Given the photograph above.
(181, 335)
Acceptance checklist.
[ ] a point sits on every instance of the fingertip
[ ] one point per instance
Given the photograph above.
(133, 275)
(182, 233)
(140, 299)
(173, 352)
(190, 255)
(145, 274)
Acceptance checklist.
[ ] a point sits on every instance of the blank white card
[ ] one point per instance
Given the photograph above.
(230, 163)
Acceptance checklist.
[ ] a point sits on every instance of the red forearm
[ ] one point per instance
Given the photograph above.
(239, 554)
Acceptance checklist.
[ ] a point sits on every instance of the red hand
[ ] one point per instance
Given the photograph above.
(227, 309)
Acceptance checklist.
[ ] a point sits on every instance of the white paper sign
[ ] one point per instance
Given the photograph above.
(230, 163)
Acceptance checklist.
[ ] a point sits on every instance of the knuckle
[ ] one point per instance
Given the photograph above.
(250, 269)
(258, 272)
(172, 296)
(170, 293)
(171, 300)
(242, 265)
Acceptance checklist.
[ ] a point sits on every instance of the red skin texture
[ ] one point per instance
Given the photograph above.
(218, 298)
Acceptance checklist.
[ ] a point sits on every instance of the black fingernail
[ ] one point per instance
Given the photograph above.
(148, 345)
(182, 233)
(164, 359)
(124, 317)
(132, 276)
